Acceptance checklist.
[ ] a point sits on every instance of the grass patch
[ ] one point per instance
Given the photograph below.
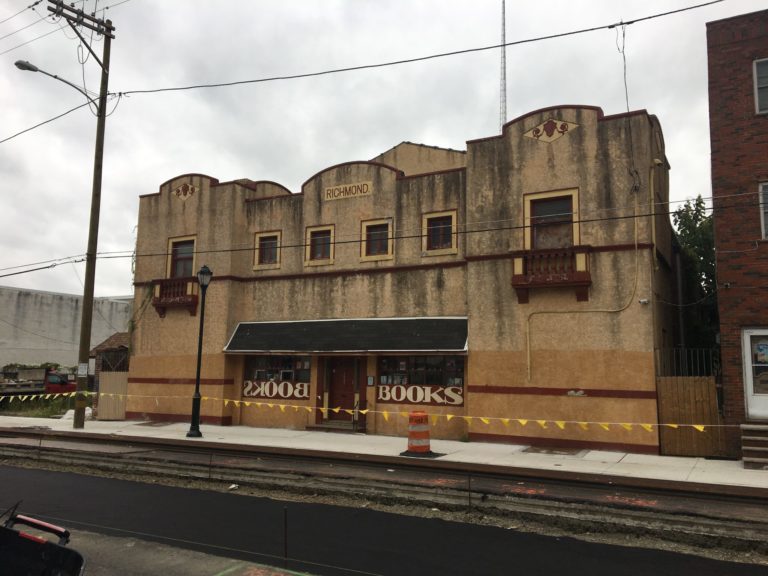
(37, 408)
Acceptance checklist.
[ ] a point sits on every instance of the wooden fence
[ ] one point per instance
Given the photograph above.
(687, 394)
(113, 386)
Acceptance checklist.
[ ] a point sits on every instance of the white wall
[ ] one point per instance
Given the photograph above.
(38, 326)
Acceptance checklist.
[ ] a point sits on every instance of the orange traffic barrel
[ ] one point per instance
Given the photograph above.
(418, 435)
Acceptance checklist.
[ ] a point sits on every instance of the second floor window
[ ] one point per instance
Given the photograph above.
(268, 249)
(439, 232)
(552, 222)
(761, 86)
(376, 239)
(320, 245)
(182, 258)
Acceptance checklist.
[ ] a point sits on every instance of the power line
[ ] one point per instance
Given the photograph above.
(45, 122)
(40, 19)
(120, 254)
(419, 58)
(29, 41)
(365, 66)
(30, 7)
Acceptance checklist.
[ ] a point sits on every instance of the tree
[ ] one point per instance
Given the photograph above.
(695, 234)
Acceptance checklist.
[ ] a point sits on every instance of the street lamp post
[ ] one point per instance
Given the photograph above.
(203, 278)
(93, 228)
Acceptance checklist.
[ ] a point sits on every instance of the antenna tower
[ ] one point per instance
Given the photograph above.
(503, 91)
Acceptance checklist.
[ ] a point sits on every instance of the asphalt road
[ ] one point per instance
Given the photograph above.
(321, 539)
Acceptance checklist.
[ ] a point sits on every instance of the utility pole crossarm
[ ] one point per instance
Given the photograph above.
(77, 16)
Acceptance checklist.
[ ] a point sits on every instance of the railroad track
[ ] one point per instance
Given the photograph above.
(690, 518)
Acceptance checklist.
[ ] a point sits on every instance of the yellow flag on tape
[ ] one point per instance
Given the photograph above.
(24, 398)
(271, 405)
(699, 427)
(434, 420)
(583, 425)
(505, 421)
(542, 423)
(648, 427)
(671, 426)
(247, 404)
(364, 412)
(386, 416)
(324, 411)
(522, 421)
(226, 403)
(604, 426)
(336, 410)
(348, 411)
(468, 419)
(258, 404)
(308, 409)
(282, 407)
(404, 414)
(485, 420)
(560, 424)
(448, 417)
(627, 426)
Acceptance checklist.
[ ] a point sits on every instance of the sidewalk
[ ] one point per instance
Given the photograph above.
(658, 470)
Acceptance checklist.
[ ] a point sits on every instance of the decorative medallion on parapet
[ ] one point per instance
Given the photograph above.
(185, 191)
(550, 130)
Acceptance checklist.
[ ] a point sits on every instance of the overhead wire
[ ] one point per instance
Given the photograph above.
(12, 16)
(419, 58)
(45, 122)
(404, 234)
(390, 63)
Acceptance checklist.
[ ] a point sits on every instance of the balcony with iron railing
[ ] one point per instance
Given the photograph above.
(551, 268)
(175, 293)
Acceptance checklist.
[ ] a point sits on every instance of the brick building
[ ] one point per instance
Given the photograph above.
(738, 110)
(514, 290)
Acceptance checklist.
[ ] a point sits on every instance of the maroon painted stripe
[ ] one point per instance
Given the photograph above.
(541, 391)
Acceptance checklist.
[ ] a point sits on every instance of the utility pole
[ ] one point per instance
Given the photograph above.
(75, 18)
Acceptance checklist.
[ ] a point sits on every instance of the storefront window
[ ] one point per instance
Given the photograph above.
(277, 368)
(422, 370)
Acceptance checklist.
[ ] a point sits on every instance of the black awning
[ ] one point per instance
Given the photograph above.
(353, 336)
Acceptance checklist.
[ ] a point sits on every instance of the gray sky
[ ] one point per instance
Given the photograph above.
(287, 131)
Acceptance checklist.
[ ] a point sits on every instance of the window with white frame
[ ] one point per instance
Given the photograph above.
(763, 193)
(761, 86)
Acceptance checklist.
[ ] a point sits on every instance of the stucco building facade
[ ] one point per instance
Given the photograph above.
(737, 51)
(38, 326)
(511, 291)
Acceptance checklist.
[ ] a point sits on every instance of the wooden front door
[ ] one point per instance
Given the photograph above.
(341, 394)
